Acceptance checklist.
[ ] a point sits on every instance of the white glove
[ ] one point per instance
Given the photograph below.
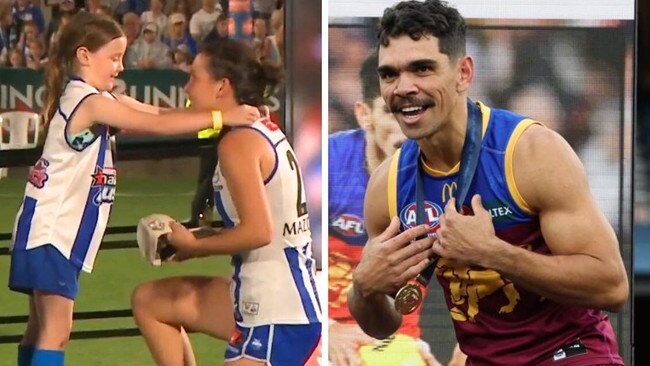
(151, 236)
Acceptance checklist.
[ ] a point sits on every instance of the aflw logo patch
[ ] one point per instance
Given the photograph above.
(349, 225)
(408, 215)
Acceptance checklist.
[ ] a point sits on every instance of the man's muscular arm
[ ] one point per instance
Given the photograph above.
(389, 260)
(585, 266)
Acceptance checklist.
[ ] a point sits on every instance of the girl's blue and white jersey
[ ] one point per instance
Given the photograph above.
(274, 284)
(70, 191)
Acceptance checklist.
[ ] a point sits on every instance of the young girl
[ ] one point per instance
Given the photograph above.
(269, 312)
(15, 58)
(28, 35)
(37, 58)
(68, 198)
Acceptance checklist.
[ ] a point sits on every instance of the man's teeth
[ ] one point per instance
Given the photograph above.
(411, 109)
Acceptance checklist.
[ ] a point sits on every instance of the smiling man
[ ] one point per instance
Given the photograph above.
(527, 261)
(353, 155)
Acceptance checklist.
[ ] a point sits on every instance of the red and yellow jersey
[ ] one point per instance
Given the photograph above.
(347, 234)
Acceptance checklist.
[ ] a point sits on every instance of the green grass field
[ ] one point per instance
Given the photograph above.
(116, 273)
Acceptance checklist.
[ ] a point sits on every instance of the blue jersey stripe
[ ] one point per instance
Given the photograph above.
(218, 202)
(235, 277)
(294, 263)
(309, 264)
(25, 223)
(90, 215)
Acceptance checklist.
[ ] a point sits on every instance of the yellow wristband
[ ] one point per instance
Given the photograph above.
(217, 120)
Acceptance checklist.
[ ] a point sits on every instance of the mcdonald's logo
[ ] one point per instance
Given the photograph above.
(448, 191)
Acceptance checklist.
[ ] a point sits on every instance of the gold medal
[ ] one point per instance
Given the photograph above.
(408, 298)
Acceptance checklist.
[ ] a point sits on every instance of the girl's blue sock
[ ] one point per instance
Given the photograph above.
(46, 357)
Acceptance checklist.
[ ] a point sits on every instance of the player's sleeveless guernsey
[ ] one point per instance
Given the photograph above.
(496, 321)
(274, 284)
(347, 182)
(70, 191)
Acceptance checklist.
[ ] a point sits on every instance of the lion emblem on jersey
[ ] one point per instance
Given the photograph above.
(38, 175)
(469, 286)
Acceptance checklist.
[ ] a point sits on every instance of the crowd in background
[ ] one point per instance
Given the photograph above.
(161, 34)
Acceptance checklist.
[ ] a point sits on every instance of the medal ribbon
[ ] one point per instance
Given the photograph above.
(468, 163)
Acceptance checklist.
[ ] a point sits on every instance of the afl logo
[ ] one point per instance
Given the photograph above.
(349, 225)
(432, 212)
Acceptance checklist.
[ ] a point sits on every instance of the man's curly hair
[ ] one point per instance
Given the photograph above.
(429, 18)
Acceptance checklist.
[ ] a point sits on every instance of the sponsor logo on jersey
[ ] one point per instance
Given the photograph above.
(297, 227)
(105, 179)
(349, 225)
(251, 307)
(499, 211)
(38, 175)
(408, 215)
(577, 348)
(448, 191)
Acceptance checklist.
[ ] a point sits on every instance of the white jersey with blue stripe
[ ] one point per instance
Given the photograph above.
(71, 188)
(274, 284)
